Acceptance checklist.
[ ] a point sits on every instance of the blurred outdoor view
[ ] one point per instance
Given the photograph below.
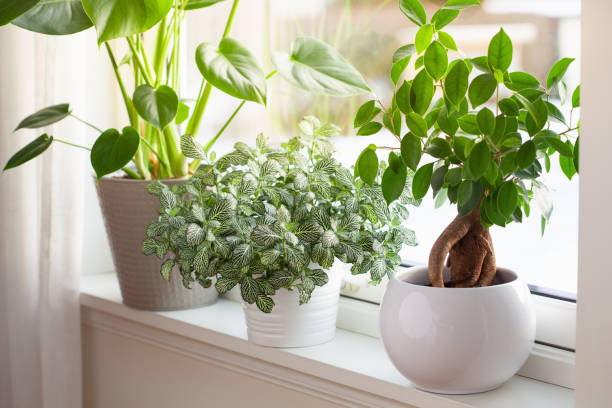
(367, 32)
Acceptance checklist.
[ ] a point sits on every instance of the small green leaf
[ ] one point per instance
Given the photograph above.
(557, 71)
(29, 151)
(233, 69)
(264, 303)
(367, 166)
(500, 51)
(369, 129)
(460, 4)
(481, 89)
(469, 124)
(156, 106)
(411, 150)
(507, 198)
(366, 113)
(479, 159)
(456, 83)
(552, 140)
(416, 124)
(166, 268)
(482, 64)
(453, 176)
(439, 148)
(436, 60)
(443, 17)
(423, 38)
(197, 4)
(421, 92)
(182, 113)
(402, 98)
(403, 52)
(393, 183)
(577, 154)
(526, 155)
(421, 181)
(224, 285)
(517, 81)
(486, 121)
(249, 289)
(437, 178)
(555, 113)
(397, 69)
(576, 97)
(45, 117)
(465, 192)
(113, 150)
(318, 68)
(470, 204)
(508, 107)
(414, 11)
(447, 123)
(447, 40)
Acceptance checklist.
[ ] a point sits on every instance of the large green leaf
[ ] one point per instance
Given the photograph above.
(460, 4)
(319, 69)
(113, 150)
(45, 116)
(11, 9)
(156, 106)
(197, 4)
(232, 68)
(122, 18)
(436, 60)
(411, 150)
(55, 17)
(421, 92)
(500, 51)
(367, 166)
(421, 181)
(393, 182)
(481, 89)
(29, 151)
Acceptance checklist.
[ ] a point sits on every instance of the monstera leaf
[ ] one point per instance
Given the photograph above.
(320, 69)
(122, 18)
(55, 17)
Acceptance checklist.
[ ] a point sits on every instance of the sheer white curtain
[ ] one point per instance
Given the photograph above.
(48, 218)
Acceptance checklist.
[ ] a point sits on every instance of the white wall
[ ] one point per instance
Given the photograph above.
(594, 324)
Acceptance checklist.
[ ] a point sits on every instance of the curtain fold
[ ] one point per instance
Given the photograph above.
(46, 215)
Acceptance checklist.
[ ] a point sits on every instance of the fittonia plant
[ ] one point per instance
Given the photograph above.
(479, 134)
(269, 218)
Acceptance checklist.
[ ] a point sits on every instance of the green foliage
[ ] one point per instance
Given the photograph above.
(493, 153)
(266, 218)
(155, 96)
(113, 150)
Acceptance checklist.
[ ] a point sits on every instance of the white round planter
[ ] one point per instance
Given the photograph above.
(293, 325)
(457, 341)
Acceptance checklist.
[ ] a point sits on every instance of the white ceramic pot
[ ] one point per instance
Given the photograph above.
(293, 325)
(457, 341)
(128, 208)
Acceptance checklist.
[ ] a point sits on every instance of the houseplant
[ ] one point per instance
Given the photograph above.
(488, 133)
(273, 221)
(156, 112)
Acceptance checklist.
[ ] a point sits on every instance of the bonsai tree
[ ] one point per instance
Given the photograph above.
(268, 218)
(157, 113)
(478, 134)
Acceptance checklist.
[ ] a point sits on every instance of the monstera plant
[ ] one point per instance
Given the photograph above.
(158, 114)
(475, 132)
(269, 218)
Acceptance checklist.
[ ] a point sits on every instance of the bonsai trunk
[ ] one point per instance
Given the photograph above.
(469, 248)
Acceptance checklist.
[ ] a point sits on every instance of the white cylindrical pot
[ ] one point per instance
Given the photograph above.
(457, 340)
(293, 325)
(127, 209)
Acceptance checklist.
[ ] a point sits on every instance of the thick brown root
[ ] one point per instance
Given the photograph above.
(471, 257)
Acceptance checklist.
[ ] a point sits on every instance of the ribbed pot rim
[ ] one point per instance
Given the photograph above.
(400, 279)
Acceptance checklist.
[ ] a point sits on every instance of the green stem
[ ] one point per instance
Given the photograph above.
(131, 173)
(139, 62)
(159, 54)
(178, 162)
(129, 107)
(85, 122)
(230, 19)
(225, 125)
(146, 61)
(71, 144)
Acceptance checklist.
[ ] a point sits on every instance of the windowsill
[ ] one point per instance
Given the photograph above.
(353, 368)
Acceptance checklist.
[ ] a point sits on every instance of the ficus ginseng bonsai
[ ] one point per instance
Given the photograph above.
(488, 159)
(154, 107)
(260, 217)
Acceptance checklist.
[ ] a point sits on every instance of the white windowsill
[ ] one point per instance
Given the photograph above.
(351, 370)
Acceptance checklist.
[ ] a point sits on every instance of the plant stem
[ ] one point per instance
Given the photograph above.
(227, 122)
(71, 144)
(160, 50)
(85, 122)
(230, 19)
(146, 61)
(126, 99)
(178, 162)
(139, 63)
(131, 173)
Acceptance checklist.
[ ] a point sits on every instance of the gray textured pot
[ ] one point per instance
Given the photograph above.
(128, 208)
